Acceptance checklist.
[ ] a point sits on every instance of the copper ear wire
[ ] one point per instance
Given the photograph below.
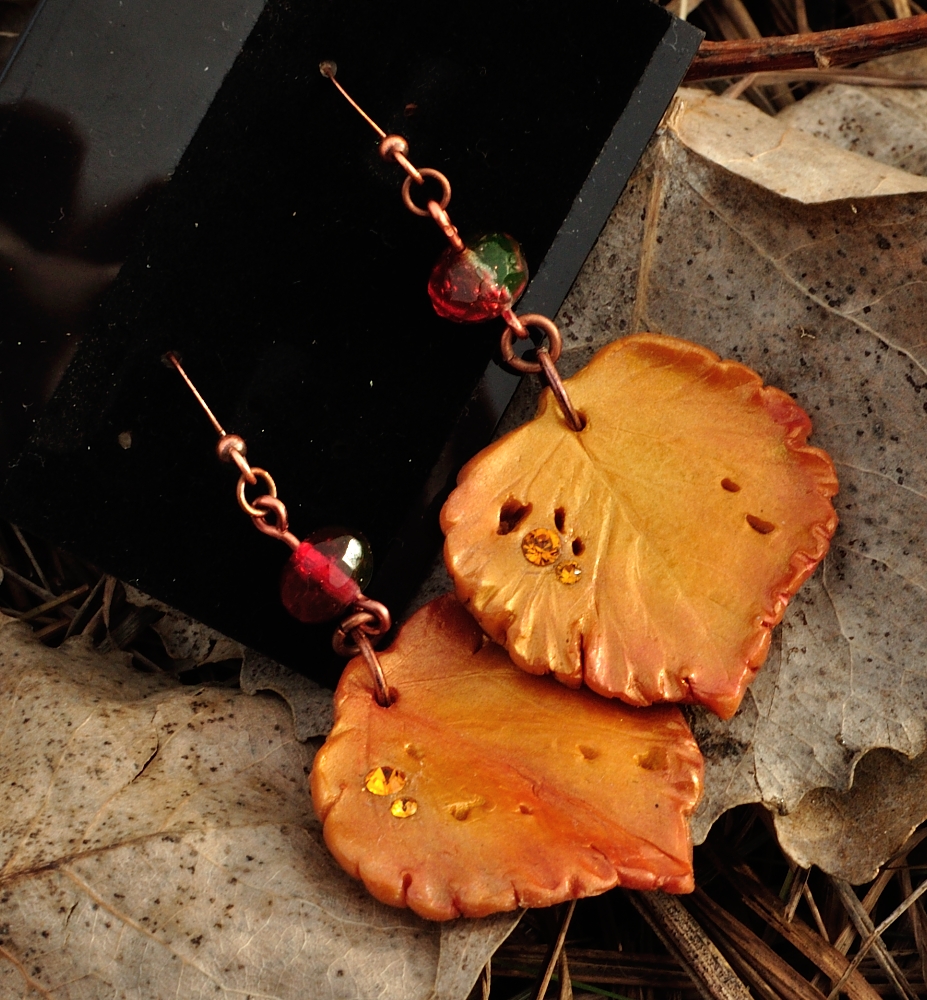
(368, 619)
(395, 147)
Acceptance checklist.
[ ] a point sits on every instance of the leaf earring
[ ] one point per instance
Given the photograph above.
(455, 784)
(645, 534)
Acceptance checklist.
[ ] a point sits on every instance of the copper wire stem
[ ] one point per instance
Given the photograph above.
(369, 618)
(329, 69)
(172, 357)
(559, 390)
(381, 690)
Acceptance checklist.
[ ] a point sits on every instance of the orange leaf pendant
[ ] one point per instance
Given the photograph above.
(650, 554)
(482, 788)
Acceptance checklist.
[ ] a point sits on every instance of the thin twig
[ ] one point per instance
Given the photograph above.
(83, 612)
(685, 939)
(917, 920)
(55, 602)
(31, 556)
(815, 913)
(822, 49)
(768, 905)
(767, 972)
(801, 18)
(796, 891)
(563, 971)
(850, 77)
(554, 953)
(866, 944)
(864, 925)
(58, 626)
(738, 88)
(46, 595)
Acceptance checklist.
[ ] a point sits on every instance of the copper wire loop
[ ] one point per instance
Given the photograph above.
(280, 528)
(546, 359)
(423, 173)
(370, 620)
(555, 342)
(515, 324)
(381, 690)
(557, 387)
(371, 617)
(446, 226)
(244, 481)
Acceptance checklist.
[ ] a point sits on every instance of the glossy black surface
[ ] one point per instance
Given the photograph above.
(97, 106)
(282, 266)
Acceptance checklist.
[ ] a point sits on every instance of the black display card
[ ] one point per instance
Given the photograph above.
(280, 263)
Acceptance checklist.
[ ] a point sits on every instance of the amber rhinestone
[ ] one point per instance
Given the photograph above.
(541, 547)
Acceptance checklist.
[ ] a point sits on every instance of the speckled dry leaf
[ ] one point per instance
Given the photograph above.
(157, 841)
(185, 638)
(851, 834)
(676, 526)
(826, 301)
(310, 704)
(482, 788)
(888, 124)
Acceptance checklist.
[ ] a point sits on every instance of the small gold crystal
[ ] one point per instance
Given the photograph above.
(404, 808)
(569, 573)
(384, 781)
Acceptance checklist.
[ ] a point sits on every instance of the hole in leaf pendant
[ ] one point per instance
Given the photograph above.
(525, 810)
(589, 753)
(511, 515)
(560, 518)
(462, 810)
(579, 546)
(541, 547)
(730, 486)
(655, 759)
(758, 524)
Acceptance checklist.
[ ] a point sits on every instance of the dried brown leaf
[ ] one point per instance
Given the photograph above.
(886, 124)
(157, 841)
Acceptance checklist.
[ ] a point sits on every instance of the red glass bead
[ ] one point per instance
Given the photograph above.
(480, 281)
(325, 575)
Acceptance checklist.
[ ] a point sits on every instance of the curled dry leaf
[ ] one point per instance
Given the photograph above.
(650, 554)
(482, 788)
(157, 841)
(713, 241)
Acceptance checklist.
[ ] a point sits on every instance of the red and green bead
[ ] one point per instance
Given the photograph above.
(479, 282)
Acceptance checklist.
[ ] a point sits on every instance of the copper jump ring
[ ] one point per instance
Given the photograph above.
(244, 482)
(436, 175)
(554, 340)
